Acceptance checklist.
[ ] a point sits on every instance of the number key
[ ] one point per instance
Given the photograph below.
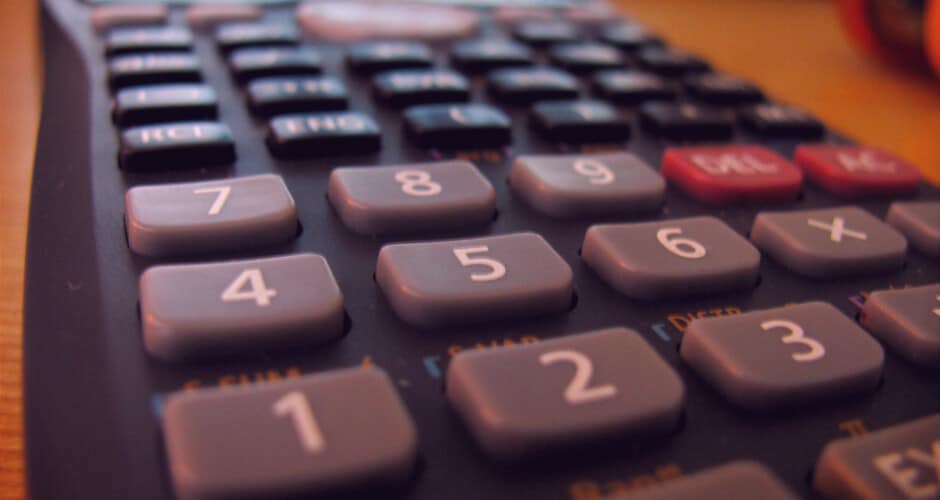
(908, 320)
(672, 258)
(470, 281)
(521, 400)
(782, 357)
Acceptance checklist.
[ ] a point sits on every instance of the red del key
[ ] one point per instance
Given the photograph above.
(722, 175)
(857, 171)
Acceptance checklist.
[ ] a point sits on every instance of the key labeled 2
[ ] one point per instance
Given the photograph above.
(455, 282)
(209, 310)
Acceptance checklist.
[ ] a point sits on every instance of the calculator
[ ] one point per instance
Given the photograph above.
(460, 250)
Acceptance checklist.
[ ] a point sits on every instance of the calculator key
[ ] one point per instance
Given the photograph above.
(143, 69)
(148, 39)
(919, 222)
(208, 14)
(671, 62)
(207, 310)
(585, 57)
(857, 171)
(671, 258)
(164, 103)
(738, 480)
(908, 320)
(340, 431)
(542, 33)
(290, 94)
(513, 14)
(458, 125)
(234, 214)
(629, 36)
(174, 145)
(372, 57)
(829, 242)
(722, 175)
(780, 120)
(348, 21)
(783, 357)
(519, 401)
(411, 198)
(478, 56)
(686, 121)
(632, 87)
(589, 13)
(444, 283)
(722, 90)
(235, 35)
(576, 122)
(255, 62)
(522, 86)
(613, 184)
(895, 463)
(311, 134)
(420, 86)
(104, 17)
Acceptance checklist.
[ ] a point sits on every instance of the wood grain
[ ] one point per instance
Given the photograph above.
(792, 48)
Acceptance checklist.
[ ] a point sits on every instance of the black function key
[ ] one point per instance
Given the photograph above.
(632, 87)
(164, 103)
(723, 90)
(371, 57)
(148, 39)
(586, 57)
(542, 33)
(780, 120)
(478, 56)
(628, 36)
(671, 62)
(580, 121)
(420, 86)
(254, 62)
(458, 125)
(323, 133)
(285, 94)
(686, 121)
(143, 69)
(234, 35)
(173, 145)
(526, 85)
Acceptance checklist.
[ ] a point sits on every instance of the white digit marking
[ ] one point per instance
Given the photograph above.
(797, 336)
(578, 391)
(417, 183)
(295, 405)
(220, 199)
(257, 292)
(497, 269)
(683, 247)
(595, 171)
(837, 229)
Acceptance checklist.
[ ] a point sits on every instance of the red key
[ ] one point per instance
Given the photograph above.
(723, 175)
(857, 171)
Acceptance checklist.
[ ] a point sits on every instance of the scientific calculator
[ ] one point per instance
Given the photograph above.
(460, 250)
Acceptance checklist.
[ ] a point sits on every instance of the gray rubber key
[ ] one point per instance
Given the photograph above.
(829, 242)
(908, 320)
(198, 217)
(208, 310)
(919, 221)
(897, 463)
(525, 399)
(328, 433)
(671, 258)
(783, 357)
(585, 185)
(409, 198)
(740, 480)
(476, 280)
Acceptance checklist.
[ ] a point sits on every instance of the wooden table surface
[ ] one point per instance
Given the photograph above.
(792, 48)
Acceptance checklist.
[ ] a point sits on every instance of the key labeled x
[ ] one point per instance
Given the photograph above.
(837, 229)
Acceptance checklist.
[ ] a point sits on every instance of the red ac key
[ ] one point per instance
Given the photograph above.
(723, 175)
(857, 171)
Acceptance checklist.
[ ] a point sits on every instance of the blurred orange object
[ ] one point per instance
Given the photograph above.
(932, 27)
(901, 33)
